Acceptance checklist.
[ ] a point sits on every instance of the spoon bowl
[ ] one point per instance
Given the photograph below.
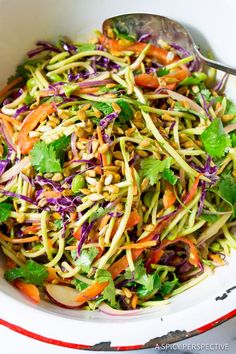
(157, 28)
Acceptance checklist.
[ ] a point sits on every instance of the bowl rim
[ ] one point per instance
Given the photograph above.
(169, 338)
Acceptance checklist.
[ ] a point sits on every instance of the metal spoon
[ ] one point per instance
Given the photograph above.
(160, 27)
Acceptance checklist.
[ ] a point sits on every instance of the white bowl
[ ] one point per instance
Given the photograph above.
(213, 25)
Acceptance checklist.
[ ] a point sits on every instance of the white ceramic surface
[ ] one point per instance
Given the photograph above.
(212, 23)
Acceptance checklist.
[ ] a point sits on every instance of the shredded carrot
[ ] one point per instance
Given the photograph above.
(104, 221)
(86, 90)
(46, 93)
(133, 220)
(52, 274)
(9, 86)
(116, 46)
(31, 121)
(73, 216)
(139, 245)
(77, 233)
(31, 229)
(11, 120)
(216, 258)
(29, 290)
(169, 197)
(100, 139)
(135, 185)
(19, 240)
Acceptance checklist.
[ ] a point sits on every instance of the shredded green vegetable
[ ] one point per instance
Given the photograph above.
(117, 172)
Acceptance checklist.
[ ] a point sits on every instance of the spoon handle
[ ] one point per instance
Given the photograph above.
(215, 64)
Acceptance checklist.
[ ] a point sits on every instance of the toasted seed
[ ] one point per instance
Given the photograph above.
(90, 173)
(103, 148)
(118, 155)
(91, 181)
(127, 293)
(130, 131)
(20, 218)
(42, 202)
(108, 180)
(138, 116)
(85, 191)
(57, 177)
(112, 189)
(54, 119)
(67, 193)
(116, 178)
(174, 144)
(85, 107)
(51, 124)
(95, 197)
(134, 301)
(56, 216)
(166, 117)
(118, 163)
(227, 118)
(142, 153)
(149, 227)
(118, 130)
(119, 207)
(234, 173)
(80, 146)
(66, 173)
(70, 155)
(144, 143)
(34, 134)
(188, 144)
(145, 184)
(101, 242)
(116, 107)
(111, 169)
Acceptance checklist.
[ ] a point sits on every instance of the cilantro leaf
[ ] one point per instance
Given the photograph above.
(126, 112)
(105, 108)
(102, 276)
(59, 224)
(169, 286)
(215, 140)
(148, 282)
(80, 285)
(227, 190)
(60, 147)
(194, 79)
(210, 218)
(230, 107)
(44, 158)
(5, 211)
(169, 176)
(32, 273)
(86, 47)
(233, 139)
(123, 35)
(86, 258)
(162, 71)
(151, 168)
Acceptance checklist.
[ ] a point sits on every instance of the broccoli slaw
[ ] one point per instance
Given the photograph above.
(117, 172)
